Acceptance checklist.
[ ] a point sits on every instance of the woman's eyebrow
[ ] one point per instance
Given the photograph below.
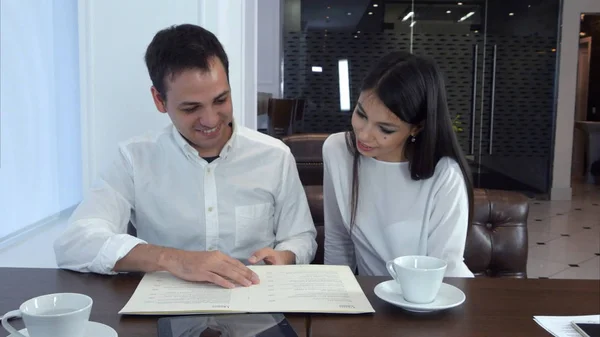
(362, 111)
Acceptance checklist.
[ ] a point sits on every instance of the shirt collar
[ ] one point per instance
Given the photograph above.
(189, 150)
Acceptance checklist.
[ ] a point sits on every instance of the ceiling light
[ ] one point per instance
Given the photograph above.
(328, 7)
(375, 5)
(476, 31)
(460, 3)
(511, 14)
(356, 36)
(316, 69)
(326, 17)
(466, 16)
(413, 23)
(370, 13)
(554, 49)
(582, 34)
(358, 32)
(408, 16)
(349, 13)
(448, 12)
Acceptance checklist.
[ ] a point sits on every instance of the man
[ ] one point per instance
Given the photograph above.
(206, 195)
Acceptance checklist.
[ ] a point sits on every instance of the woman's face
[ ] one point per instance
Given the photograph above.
(379, 133)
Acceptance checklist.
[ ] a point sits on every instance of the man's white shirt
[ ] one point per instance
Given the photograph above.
(249, 198)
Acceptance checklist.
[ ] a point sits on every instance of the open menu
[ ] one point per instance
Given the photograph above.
(289, 288)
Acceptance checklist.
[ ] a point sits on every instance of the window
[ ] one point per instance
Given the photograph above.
(40, 155)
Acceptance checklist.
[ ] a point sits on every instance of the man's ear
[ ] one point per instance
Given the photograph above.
(161, 104)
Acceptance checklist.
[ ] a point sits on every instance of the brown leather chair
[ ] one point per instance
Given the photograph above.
(496, 240)
(298, 123)
(281, 116)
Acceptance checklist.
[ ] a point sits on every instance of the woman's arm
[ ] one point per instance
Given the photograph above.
(339, 248)
(449, 221)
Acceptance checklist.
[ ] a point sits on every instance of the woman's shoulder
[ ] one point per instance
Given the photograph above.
(448, 174)
(447, 167)
(335, 146)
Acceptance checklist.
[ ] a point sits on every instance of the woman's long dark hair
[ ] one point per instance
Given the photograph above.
(413, 89)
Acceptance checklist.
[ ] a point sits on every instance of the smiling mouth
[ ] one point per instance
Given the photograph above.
(209, 132)
(363, 147)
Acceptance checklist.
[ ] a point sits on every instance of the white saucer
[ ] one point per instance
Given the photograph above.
(93, 329)
(448, 297)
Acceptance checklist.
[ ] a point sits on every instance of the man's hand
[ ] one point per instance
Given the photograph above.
(271, 256)
(214, 267)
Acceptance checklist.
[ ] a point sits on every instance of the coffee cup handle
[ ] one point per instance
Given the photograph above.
(7, 326)
(390, 267)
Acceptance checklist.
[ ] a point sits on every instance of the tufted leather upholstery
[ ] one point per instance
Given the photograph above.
(307, 150)
(496, 240)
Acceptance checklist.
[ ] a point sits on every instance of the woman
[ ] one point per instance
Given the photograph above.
(398, 183)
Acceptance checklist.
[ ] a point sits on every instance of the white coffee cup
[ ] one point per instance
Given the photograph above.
(419, 277)
(62, 314)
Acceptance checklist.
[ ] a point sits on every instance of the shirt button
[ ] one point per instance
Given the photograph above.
(210, 209)
(208, 170)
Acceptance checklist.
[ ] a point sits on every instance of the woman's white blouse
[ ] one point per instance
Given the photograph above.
(396, 215)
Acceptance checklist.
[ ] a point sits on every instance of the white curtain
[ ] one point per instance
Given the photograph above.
(40, 141)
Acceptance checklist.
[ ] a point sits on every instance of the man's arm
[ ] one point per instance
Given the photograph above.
(96, 239)
(214, 266)
(295, 230)
(96, 234)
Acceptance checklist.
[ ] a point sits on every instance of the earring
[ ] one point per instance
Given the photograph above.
(413, 139)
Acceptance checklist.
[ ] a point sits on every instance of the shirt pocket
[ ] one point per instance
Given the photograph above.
(254, 224)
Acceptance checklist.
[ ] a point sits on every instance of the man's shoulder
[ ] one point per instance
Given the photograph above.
(260, 141)
(147, 139)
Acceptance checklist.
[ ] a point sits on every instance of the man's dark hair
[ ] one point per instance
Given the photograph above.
(178, 48)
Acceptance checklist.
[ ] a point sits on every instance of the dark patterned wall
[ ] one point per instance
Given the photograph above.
(524, 109)
(523, 115)
(524, 101)
(525, 35)
(323, 114)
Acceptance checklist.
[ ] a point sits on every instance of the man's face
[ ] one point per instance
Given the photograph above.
(199, 105)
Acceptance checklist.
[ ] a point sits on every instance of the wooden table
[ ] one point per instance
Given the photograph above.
(493, 307)
(110, 293)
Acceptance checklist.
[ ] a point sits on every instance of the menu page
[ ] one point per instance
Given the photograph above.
(289, 288)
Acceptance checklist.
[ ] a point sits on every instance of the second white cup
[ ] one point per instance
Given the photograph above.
(419, 277)
(53, 315)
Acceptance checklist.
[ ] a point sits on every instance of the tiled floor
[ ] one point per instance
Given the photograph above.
(564, 236)
(564, 239)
